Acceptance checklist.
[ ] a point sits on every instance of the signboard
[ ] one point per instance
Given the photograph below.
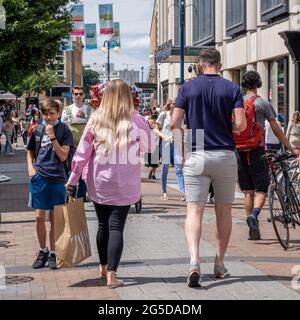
(172, 54)
(106, 19)
(90, 36)
(77, 17)
(116, 39)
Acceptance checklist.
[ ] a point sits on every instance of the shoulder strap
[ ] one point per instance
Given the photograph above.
(69, 113)
(253, 98)
(38, 134)
(88, 112)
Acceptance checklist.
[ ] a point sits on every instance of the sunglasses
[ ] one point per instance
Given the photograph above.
(78, 94)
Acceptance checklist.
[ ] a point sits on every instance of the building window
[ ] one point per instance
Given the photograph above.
(235, 17)
(271, 9)
(203, 22)
(176, 22)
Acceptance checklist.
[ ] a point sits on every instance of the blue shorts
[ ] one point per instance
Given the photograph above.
(45, 194)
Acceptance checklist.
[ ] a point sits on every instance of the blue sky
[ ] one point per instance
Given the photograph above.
(135, 20)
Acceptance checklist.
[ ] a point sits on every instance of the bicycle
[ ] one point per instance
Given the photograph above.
(284, 205)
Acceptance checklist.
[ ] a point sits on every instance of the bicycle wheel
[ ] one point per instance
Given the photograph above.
(276, 207)
(296, 194)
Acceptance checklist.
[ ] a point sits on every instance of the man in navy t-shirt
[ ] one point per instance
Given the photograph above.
(209, 102)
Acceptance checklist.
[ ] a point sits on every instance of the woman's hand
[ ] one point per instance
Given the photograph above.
(72, 190)
(168, 139)
(31, 172)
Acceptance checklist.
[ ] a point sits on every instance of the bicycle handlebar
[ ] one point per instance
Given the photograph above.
(278, 157)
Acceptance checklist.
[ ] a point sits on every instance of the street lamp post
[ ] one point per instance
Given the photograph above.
(182, 40)
(142, 68)
(106, 48)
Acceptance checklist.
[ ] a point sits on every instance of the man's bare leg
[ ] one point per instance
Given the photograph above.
(223, 230)
(193, 228)
(41, 227)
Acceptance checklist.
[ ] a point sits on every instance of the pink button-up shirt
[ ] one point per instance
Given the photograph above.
(114, 179)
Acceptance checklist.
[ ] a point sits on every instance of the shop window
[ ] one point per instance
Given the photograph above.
(278, 89)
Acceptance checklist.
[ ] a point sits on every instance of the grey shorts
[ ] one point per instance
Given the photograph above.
(216, 167)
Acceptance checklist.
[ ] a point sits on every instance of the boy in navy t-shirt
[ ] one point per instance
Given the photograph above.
(48, 175)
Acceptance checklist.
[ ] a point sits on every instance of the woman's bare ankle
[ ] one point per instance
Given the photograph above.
(103, 270)
(111, 277)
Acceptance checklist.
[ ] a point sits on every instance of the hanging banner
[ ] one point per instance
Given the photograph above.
(90, 36)
(106, 19)
(77, 16)
(116, 38)
(67, 45)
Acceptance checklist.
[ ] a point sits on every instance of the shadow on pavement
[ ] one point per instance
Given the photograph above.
(138, 281)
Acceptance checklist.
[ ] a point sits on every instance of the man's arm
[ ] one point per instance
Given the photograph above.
(282, 138)
(240, 122)
(30, 159)
(65, 118)
(61, 151)
(176, 127)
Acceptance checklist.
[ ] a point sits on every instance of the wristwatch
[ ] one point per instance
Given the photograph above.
(52, 139)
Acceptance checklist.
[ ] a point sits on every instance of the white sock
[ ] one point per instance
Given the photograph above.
(51, 252)
(45, 250)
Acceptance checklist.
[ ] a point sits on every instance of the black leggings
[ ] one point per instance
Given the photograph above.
(110, 234)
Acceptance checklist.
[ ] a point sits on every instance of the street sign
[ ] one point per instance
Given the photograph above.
(171, 54)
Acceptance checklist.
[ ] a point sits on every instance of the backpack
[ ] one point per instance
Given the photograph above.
(59, 133)
(251, 137)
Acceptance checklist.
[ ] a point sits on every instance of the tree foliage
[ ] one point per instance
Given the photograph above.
(32, 37)
(38, 82)
(90, 77)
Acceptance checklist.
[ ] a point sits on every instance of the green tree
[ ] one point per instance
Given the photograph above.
(32, 37)
(37, 82)
(90, 77)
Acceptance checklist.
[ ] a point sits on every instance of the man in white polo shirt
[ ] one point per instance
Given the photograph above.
(76, 117)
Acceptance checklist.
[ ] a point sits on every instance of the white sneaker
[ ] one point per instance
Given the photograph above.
(4, 178)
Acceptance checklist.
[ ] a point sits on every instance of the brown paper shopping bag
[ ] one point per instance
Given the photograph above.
(72, 242)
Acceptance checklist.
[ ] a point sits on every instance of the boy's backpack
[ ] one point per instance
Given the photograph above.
(59, 133)
(251, 137)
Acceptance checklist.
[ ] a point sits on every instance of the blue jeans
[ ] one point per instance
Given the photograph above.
(8, 146)
(179, 176)
(167, 153)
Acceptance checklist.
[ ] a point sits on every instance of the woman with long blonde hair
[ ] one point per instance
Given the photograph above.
(110, 148)
(293, 131)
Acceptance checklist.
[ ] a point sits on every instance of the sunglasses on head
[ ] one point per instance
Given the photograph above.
(78, 94)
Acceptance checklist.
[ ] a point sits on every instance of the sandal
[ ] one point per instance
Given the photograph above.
(183, 197)
(164, 197)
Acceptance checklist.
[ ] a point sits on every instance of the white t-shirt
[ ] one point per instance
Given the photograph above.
(65, 118)
(164, 120)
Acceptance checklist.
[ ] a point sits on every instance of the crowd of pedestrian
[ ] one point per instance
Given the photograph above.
(212, 135)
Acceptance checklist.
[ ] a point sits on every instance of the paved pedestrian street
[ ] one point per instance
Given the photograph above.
(155, 260)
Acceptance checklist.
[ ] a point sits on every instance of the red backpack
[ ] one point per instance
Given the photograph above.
(251, 137)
